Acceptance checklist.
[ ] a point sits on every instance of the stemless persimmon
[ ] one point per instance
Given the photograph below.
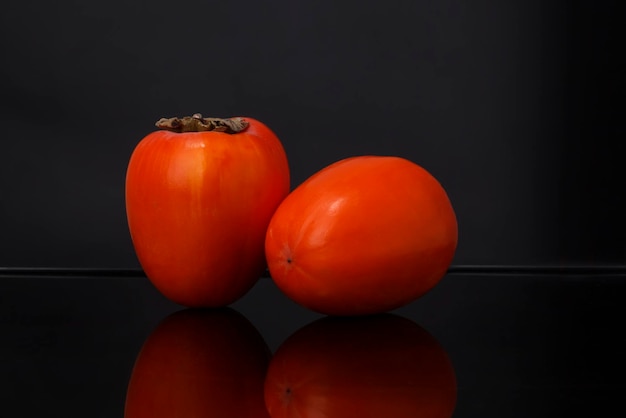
(200, 363)
(199, 195)
(364, 235)
(375, 366)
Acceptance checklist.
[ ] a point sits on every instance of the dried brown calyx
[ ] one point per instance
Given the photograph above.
(198, 123)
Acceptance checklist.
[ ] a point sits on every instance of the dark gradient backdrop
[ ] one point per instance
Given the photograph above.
(513, 105)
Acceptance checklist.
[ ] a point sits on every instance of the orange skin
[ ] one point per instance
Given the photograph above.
(364, 235)
(198, 205)
(200, 363)
(374, 366)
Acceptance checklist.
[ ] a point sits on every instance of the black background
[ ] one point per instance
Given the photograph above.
(515, 106)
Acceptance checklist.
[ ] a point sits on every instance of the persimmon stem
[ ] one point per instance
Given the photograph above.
(197, 123)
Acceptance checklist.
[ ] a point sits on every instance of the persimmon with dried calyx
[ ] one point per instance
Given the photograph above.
(365, 235)
(199, 195)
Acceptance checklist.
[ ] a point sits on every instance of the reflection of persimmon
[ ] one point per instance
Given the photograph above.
(200, 363)
(377, 366)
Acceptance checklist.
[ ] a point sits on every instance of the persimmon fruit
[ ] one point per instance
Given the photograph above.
(199, 195)
(364, 235)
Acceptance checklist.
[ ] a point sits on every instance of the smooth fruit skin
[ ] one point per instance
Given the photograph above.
(373, 367)
(364, 235)
(200, 363)
(198, 205)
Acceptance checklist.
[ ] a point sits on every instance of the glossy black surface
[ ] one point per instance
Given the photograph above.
(521, 345)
